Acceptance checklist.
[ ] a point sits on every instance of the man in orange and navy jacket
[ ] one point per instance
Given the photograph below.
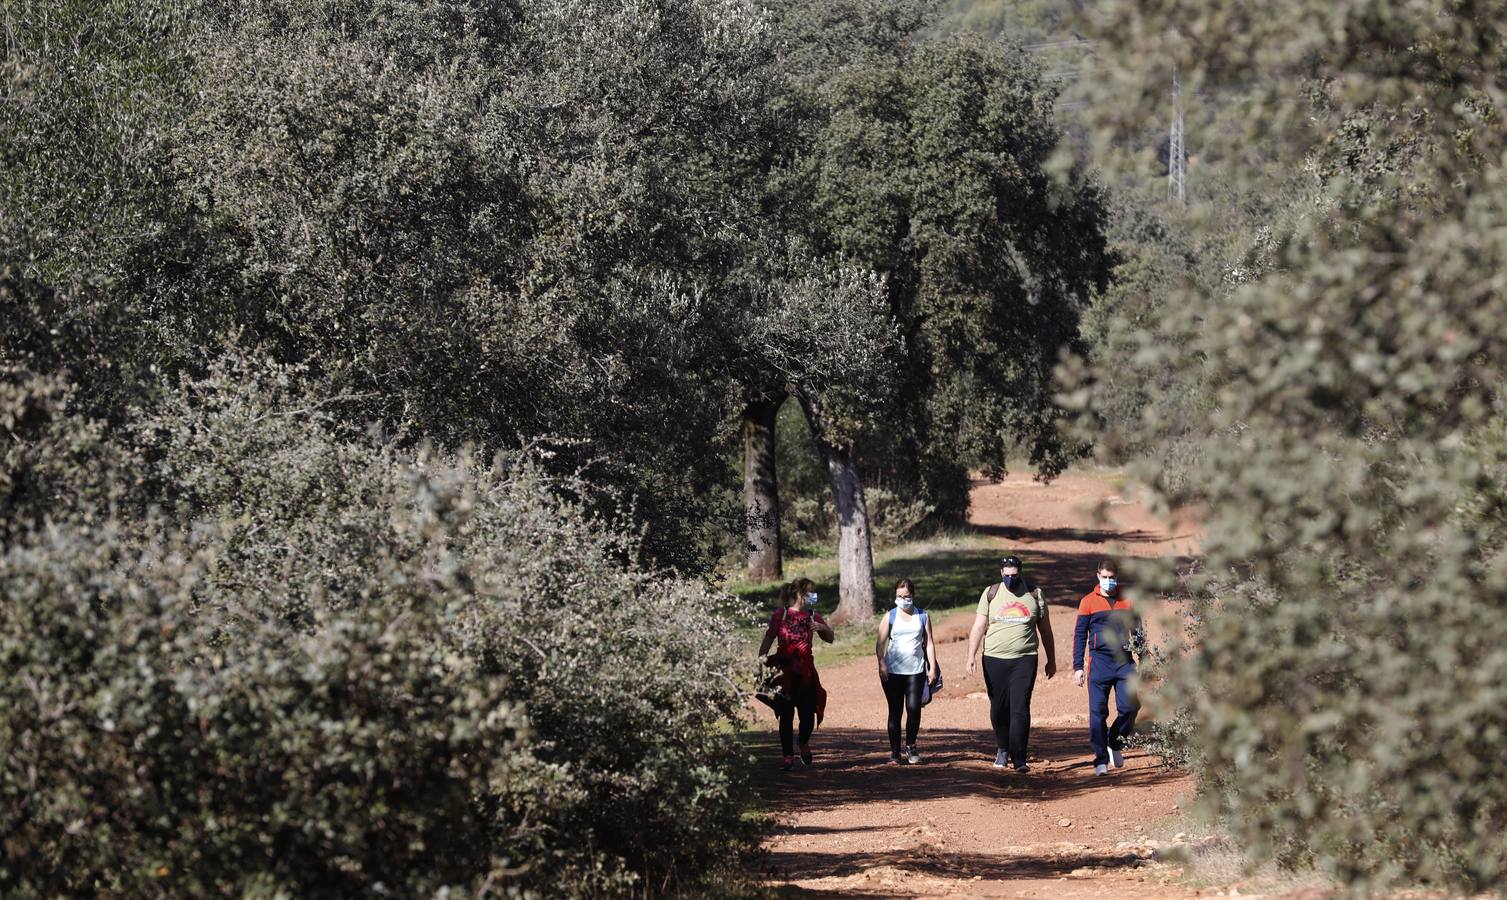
(1108, 629)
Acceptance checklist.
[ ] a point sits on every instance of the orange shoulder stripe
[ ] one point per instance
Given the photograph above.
(1092, 603)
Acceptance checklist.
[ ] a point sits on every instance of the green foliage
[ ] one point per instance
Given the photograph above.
(807, 514)
(154, 750)
(931, 167)
(492, 247)
(89, 87)
(1022, 20)
(1346, 684)
(831, 335)
(1143, 409)
(471, 224)
(343, 668)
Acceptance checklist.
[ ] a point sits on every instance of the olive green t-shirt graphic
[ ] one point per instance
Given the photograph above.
(1012, 622)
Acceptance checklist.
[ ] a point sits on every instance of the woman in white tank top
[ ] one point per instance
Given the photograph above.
(907, 657)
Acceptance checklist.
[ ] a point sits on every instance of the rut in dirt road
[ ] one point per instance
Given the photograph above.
(852, 826)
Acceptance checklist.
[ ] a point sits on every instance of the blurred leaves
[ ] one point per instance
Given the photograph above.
(1344, 684)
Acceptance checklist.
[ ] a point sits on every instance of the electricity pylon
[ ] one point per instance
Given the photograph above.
(1177, 175)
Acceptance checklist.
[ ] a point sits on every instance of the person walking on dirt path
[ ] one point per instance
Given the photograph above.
(1110, 632)
(800, 689)
(907, 655)
(1013, 624)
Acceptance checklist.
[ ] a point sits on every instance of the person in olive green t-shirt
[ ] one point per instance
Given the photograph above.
(1011, 615)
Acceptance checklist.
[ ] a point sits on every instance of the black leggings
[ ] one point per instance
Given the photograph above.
(1010, 682)
(805, 704)
(904, 691)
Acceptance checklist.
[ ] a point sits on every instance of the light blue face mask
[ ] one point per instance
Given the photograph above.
(1108, 585)
(905, 603)
(811, 599)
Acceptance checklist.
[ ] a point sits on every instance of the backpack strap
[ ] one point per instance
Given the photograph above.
(892, 618)
(993, 591)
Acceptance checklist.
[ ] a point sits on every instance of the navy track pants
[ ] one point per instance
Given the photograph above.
(1104, 675)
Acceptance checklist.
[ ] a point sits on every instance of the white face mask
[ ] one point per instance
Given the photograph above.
(811, 599)
(905, 603)
(1108, 585)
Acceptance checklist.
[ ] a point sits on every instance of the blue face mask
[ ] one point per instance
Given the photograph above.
(1108, 585)
(1012, 582)
(905, 603)
(811, 599)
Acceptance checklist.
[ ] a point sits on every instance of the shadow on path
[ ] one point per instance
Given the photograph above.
(1028, 865)
(1029, 536)
(850, 769)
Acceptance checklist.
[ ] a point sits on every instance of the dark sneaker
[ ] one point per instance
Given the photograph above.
(788, 764)
(1001, 759)
(1117, 757)
(1022, 768)
(894, 760)
(912, 757)
(805, 755)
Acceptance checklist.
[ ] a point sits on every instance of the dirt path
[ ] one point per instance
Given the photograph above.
(955, 826)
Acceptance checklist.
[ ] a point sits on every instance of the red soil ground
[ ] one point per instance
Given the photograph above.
(954, 825)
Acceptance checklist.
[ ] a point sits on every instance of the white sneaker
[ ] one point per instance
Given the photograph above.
(1001, 759)
(1101, 769)
(1117, 757)
(912, 757)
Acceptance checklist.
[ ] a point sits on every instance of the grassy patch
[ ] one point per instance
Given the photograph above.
(949, 572)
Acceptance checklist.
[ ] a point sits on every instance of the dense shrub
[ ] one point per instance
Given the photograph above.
(155, 749)
(328, 667)
(1347, 692)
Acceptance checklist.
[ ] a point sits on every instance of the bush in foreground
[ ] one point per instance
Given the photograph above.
(322, 666)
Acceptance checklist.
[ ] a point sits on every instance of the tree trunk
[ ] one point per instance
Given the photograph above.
(761, 488)
(855, 552)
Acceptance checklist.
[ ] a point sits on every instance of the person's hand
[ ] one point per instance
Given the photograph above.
(1078, 677)
(931, 675)
(884, 672)
(972, 664)
(1051, 668)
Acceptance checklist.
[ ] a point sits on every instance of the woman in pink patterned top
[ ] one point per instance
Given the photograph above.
(795, 625)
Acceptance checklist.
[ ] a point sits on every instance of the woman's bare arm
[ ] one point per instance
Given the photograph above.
(931, 652)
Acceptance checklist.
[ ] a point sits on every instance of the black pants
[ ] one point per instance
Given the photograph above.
(1010, 682)
(904, 692)
(805, 704)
